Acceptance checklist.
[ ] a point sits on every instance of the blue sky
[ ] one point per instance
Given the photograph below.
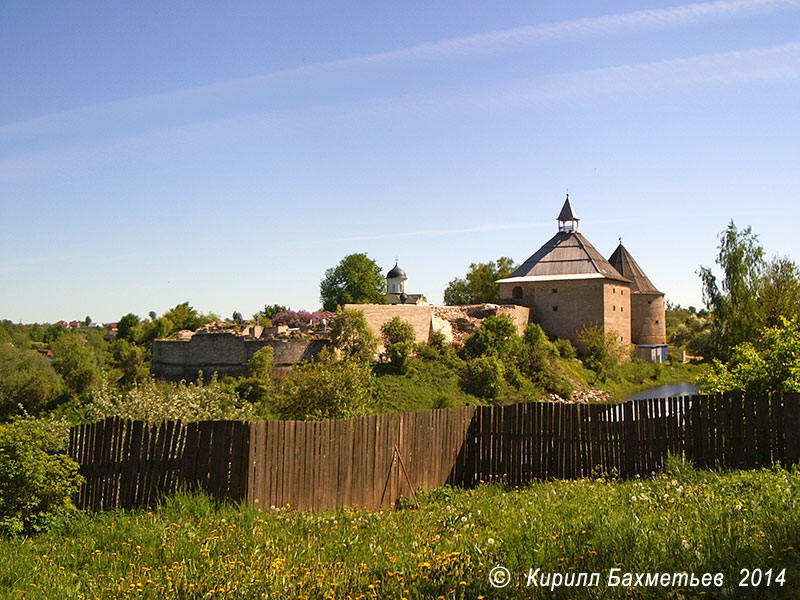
(153, 153)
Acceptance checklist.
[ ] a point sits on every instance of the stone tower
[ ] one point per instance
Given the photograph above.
(569, 285)
(648, 310)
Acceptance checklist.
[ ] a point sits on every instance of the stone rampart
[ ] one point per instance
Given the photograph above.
(456, 322)
(225, 354)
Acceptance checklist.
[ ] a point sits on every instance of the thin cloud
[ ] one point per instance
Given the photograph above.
(457, 231)
(773, 64)
(174, 102)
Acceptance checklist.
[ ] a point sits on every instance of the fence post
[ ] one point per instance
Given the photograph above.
(791, 420)
(629, 437)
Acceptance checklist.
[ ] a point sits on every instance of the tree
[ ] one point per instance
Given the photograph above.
(257, 388)
(131, 361)
(351, 335)
(76, 365)
(770, 364)
(26, 379)
(603, 352)
(780, 293)
(736, 314)
(357, 279)
(126, 327)
(260, 365)
(396, 330)
(398, 339)
(184, 316)
(479, 285)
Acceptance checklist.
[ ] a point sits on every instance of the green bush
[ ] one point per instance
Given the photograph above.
(495, 336)
(396, 331)
(73, 360)
(438, 340)
(351, 336)
(26, 379)
(399, 355)
(326, 389)
(484, 377)
(565, 349)
(398, 339)
(36, 480)
(604, 353)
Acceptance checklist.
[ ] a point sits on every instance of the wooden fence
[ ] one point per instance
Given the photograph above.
(372, 461)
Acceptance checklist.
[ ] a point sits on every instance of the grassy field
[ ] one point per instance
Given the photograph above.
(444, 548)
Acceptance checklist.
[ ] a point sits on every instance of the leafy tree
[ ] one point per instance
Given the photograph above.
(37, 479)
(479, 284)
(126, 327)
(351, 335)
(688, 329)
(76, 364)
(184, 316)
(87, 321)
(396, 330)
(736, 314)
(357, 279)
(260, 365)
(770, 364)
(603, 352)
(494, 336)
(780, 293)
(484, 377)
(398, 339)
(131, 361)
(53, 332)
(257, 388)
(327, 389)
(26, 379)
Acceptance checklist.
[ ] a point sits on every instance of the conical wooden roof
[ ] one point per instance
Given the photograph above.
(623, 262)
(567, 255)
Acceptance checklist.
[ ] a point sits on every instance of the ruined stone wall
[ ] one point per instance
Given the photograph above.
(378, 314)
(225, 354)
(648, 319)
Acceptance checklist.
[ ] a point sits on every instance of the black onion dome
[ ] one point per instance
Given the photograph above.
(396, 273)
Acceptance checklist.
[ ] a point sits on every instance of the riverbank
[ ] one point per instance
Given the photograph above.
(658, 375)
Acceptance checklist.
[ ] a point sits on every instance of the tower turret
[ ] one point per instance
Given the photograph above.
(568, 218)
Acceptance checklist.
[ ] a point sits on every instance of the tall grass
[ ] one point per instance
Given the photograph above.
(190, 547)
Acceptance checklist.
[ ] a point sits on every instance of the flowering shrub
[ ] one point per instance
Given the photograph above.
(154, 401)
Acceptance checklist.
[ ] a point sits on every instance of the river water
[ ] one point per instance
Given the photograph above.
(664, 391)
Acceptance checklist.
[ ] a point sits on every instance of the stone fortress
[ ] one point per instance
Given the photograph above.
(568, 285)
(564, 286)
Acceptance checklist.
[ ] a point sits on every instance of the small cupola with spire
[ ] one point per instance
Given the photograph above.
(396, 288)
(396, 280)
(568, 218)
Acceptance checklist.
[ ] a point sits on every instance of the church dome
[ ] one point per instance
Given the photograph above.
(396, 273)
